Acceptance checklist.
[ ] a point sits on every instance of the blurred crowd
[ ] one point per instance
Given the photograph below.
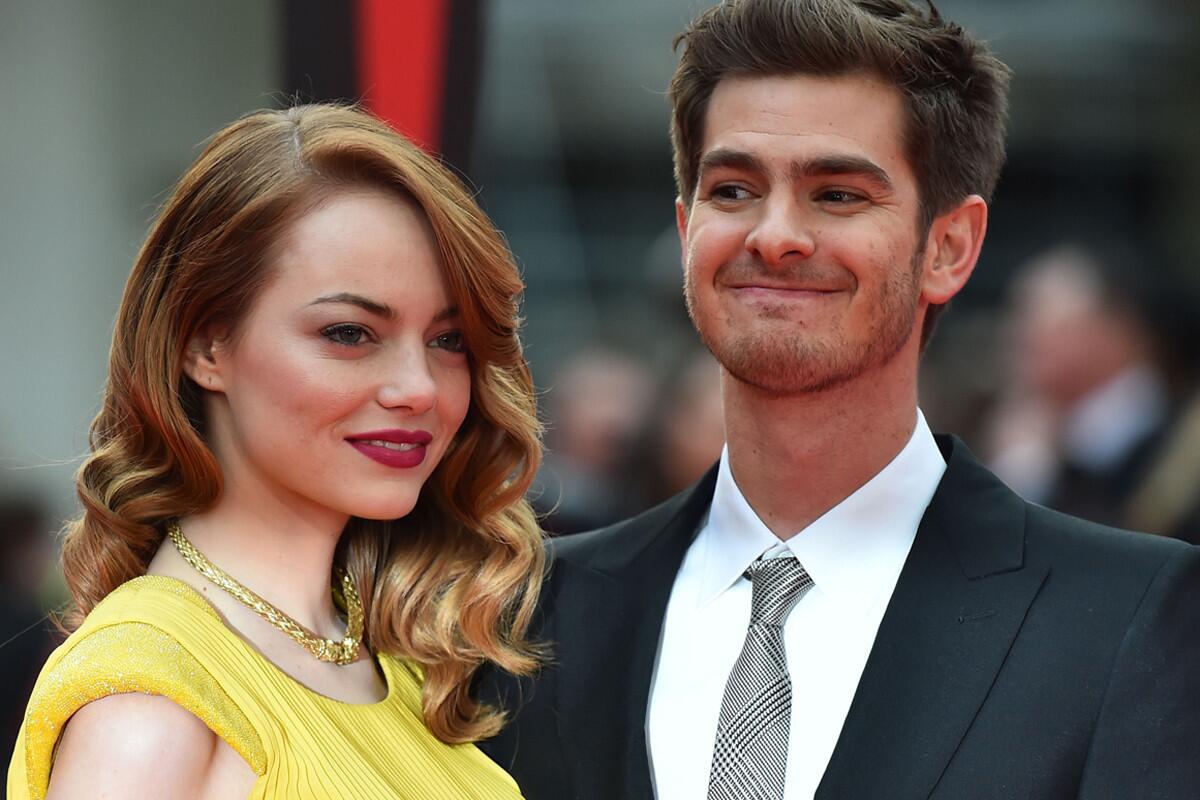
(622, 437)
(26, 633)
(1079, 389)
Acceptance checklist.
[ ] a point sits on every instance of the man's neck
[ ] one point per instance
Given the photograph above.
(794, 457)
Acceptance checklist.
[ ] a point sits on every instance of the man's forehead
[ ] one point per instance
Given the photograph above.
(804, 103)
(792, 121)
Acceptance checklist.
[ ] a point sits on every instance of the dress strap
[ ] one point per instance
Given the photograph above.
(118, 659)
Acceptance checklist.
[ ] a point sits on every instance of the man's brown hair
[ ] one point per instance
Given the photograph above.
(954, 89)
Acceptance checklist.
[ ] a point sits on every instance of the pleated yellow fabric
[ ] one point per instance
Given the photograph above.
(159, 636)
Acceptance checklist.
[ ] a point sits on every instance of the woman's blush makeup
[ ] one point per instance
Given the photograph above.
(393, 448)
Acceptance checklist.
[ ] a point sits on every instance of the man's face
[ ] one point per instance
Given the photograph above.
(802, 258)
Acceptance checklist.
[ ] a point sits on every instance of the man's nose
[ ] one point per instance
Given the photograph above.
(783, 232)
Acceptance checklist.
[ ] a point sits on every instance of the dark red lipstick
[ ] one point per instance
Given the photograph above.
(393, 447)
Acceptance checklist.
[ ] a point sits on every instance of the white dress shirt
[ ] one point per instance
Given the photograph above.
(854, 554)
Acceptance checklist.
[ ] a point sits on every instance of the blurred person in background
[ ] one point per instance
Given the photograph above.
(687, 431)
(599, 402)
(846, 606)
(1094, 384)
(304, 523)
(26, 636)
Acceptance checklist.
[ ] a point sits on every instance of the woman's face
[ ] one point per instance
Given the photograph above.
(342, 388)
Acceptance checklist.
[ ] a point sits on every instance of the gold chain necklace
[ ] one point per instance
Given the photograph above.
(343, 652)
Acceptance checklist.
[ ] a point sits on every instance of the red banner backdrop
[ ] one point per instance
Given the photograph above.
(402, 64)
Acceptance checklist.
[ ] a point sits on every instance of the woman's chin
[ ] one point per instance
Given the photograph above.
(383, 511)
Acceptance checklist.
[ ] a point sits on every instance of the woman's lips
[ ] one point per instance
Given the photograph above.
(393, 448)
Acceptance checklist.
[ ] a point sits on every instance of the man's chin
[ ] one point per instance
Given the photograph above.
(804, 368)
(793, 380)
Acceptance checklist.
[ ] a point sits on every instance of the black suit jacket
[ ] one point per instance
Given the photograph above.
(1024, 654)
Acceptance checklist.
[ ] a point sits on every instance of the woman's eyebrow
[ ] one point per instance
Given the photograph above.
(378, 309)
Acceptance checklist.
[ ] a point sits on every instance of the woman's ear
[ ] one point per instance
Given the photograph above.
(954, 241)
(204, 359)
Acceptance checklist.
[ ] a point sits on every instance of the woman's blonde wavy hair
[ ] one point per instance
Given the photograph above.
(451, 585)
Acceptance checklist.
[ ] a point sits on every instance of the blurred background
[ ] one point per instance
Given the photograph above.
(1069, 363)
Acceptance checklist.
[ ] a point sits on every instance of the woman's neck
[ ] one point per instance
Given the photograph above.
(281, 552)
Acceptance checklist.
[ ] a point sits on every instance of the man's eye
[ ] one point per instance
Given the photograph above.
(841, 196)
(452, 341)
(730, 191)
(345, 334)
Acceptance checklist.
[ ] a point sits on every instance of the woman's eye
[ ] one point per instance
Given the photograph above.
(345, 334)
(452, 341)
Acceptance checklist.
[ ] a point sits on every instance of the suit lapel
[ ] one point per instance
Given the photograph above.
(607, 662)
(959, 602)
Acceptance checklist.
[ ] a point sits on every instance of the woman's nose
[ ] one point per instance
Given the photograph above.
(409, 383)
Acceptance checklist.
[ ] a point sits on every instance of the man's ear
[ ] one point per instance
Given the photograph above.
(681, 223)
(204, 361)
(952, 249)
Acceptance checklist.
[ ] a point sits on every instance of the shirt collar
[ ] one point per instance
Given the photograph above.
(854, 551)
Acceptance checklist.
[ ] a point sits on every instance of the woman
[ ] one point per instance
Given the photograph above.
(304, 526)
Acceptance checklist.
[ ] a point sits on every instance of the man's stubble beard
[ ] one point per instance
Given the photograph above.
(807, 364)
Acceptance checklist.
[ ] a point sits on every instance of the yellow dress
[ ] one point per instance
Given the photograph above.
(159, 636)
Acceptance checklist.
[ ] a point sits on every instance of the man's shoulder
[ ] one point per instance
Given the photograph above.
(986, 520)
(1095, 546)
(629, 536)
(582, 548)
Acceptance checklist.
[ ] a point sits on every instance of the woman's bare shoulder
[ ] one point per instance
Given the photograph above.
(140, 745)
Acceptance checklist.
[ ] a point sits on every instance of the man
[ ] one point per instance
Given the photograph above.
(846, 607)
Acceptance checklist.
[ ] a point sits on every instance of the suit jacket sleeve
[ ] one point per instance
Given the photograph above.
(1147, 736)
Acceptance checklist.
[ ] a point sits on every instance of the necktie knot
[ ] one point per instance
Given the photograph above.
(779, 583)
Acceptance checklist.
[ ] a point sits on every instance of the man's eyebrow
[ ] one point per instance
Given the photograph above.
(730, 159)
(378, 309)
(843, 165)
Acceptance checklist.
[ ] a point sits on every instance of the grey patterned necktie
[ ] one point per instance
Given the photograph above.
(750, 757)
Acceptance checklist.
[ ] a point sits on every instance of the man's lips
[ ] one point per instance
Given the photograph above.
(803, 284)
(795, 292)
